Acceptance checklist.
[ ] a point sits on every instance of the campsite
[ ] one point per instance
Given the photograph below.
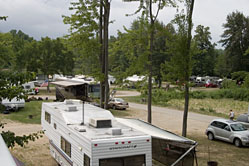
(124, 83)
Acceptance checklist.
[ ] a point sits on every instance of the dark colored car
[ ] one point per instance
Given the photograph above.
(211, 85)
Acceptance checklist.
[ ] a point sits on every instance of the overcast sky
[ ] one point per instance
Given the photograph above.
(40, 18)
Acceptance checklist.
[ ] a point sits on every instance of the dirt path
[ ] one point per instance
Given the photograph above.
(171, 119)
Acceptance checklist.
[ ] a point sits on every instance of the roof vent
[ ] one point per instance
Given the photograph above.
(116, 131)
(101, 123)
(79, 129)
(68, 102)
(72, 109)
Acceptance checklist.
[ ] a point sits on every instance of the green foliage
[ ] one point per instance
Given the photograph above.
(3, 18)
(11, 84)
(11, 139)
(240, 75)
(235, 39)
(162, 96)
(228, 84)
(83, 36)
(6, 52)
(204, 60)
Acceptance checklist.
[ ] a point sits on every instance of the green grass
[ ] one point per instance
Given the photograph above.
(213, 107)
(225, 154)
(32, 108)
(120, 113)
(45, 92)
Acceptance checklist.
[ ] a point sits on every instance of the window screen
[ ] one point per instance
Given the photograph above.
(66, 146)
(86, 160)
(48, 117)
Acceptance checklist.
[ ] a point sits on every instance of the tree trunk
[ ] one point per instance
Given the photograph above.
(48, 88)
(106, 24)
(185, 113)
(186, 104)
(101, 56)
(150, 64)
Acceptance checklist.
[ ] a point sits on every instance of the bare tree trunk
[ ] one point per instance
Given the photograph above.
(48, 88)
(101, 56)
(106, 29)
(185, 113)
(150, 64)
(186, 104)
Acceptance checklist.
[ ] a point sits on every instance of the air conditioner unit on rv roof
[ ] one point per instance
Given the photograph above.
(100, 123)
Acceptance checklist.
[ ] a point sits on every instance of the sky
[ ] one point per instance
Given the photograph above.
(41, 18)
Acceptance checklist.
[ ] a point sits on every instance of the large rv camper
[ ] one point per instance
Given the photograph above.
(84, 135)
(76, 88)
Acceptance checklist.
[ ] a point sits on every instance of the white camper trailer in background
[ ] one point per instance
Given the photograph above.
(85, 135)
(14, 103)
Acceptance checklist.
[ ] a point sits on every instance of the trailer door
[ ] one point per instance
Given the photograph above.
(138, 160)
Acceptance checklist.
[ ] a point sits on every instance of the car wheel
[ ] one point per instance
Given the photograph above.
(210, 136)
(114, 107)
(237, 142)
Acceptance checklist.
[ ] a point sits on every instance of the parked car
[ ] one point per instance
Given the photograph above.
(211, 85)
(229, 131)
(118, 103)
(244, 119)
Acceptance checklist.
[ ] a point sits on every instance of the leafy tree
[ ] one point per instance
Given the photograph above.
(235, 39)
(10, 87)
(146, 7)
(222, 68)
(180, 65)
(6, 52)
(19, 41)
(89, 31)
(204, 60)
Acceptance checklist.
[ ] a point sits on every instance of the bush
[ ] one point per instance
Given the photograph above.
(228, 84)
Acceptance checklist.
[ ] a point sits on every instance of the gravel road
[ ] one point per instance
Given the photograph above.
(171, 119)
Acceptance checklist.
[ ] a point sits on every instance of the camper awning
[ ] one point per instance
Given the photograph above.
(67, 83)
(152, 130)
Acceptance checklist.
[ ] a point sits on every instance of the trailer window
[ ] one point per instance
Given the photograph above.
(48, 117)
(138, 160)
(66, 146)
(86, 160)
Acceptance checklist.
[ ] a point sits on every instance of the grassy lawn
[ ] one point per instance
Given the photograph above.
(214, 107)
(225, 154)
(45, 92)
(120, 113)
(32, 108)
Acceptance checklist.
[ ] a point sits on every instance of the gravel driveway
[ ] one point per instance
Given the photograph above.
(171, 119)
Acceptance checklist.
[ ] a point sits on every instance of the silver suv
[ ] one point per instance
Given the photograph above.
(229, 131)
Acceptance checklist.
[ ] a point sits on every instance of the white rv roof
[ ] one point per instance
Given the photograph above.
(152, 130)
(73, 120)
(5, 156)
(67, 83)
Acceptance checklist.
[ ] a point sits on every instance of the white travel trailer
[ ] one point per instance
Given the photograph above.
(84, 135)
(13, 103)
